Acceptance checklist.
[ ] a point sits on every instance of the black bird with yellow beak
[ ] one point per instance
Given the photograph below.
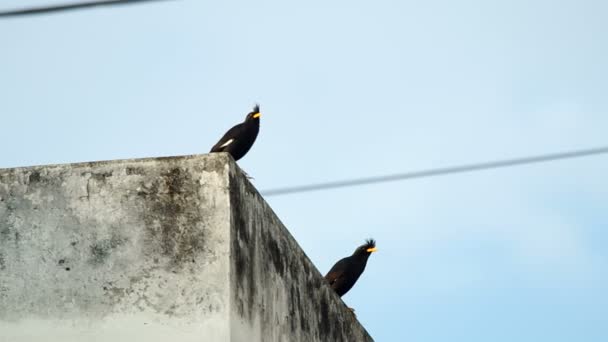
(345, 272)
(239, 139)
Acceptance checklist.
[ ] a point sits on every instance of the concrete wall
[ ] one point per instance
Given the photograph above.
(179, 249)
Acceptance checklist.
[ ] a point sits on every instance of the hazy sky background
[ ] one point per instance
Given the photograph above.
(351, 89)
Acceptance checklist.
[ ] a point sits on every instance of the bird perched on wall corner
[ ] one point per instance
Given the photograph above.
(344, 274)
(239, 139)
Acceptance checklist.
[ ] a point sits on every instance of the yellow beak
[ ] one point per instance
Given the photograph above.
(371, 250)
(257, 115)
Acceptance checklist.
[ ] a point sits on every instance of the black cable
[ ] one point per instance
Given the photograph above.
(437, 172)
(67, 7)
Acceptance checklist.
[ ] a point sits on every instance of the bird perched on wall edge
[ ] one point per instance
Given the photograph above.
(344, 274)
(239, 139)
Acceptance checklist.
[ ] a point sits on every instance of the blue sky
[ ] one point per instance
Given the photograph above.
(351, 89)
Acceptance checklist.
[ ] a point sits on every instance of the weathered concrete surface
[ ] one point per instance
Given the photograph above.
(277, 293)
(179, 249)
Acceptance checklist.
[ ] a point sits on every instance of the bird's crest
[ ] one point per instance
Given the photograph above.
(256, 108)
(370, 246)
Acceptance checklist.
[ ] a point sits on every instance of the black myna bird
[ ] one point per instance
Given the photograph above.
(345, 272)
(239, 139)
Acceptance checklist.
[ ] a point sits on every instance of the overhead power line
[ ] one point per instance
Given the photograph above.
(68, 7)
(437, 172)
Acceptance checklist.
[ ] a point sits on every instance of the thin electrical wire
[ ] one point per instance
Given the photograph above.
(67, 7)
(437, 172)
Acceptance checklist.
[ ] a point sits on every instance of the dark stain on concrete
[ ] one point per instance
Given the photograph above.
(34, 177)
(112, 293)
(17, 238)
(3, 291)
(134, 170)
(172, 216)
(99, 252)
(244, 246)
(101, 176)
(102, 249)
(324, 322)
(296, 311)
(217, 163)
(274, 252)
(5, 232)
(2, 262)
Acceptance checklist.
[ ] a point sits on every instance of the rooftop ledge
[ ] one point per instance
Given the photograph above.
(174, 249)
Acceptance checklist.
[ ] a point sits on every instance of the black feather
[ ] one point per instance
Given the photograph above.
(344, 274)
(242, 135)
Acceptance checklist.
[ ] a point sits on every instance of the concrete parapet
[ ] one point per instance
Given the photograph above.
(162, 249)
